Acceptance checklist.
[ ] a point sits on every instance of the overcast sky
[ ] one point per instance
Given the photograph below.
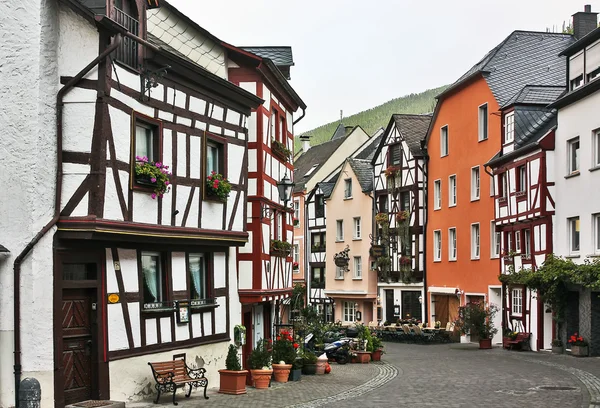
(352, 55)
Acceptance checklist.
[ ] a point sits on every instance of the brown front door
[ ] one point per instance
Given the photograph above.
(78, 344)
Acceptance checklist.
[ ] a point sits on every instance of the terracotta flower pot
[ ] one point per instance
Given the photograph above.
(281, 372)
(485, 343)
(261, 378)
(232, 382)
(363, 357)
(376, 355)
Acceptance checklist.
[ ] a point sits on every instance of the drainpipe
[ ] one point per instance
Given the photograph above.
(19, 259)
(301, 116)
(426, 183)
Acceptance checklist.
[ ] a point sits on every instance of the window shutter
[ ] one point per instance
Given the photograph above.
(576, 66)
(592, 57)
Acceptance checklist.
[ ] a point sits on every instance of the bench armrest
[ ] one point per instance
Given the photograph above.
(195, 373)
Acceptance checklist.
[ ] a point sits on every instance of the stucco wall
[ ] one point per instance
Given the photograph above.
(29, 80)
(574, 197)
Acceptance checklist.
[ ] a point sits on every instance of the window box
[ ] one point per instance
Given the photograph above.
(280, 248)
(526, 257)
(217, 187)
(280, 151)
(508, 258)
(521, 195)
(318, 248)
(503, 201)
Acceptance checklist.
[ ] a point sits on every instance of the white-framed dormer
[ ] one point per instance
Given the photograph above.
(452, 245)
(475, 241)
(444, 141)
(437, 246)
(475, 183)
(509, 127)
(437, 194)
(576, 70)
(482, 128)
(452, 190)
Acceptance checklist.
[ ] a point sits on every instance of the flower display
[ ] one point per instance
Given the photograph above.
(218, 186)
(402, 216)
(284, 348)
(405, 261)
(392, 171)
(295, 265)
(381, 218)
(577, 340)
(154, 174)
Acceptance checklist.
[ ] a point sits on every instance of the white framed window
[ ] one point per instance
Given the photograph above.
(576, 82)
(339, 235)
(339, 272)
(509, 127)
(348, 188)
(522, 178)
(198, 276)
(483, 122)
(357, 267)
(296, 253)
(503, 178)
(573, 235)
(452, 190)
(596, 229)
(437, 246)
(517, 301)
(596, 147)
(573, 151)
(296, 211)
(527, 241)
(452, 244)
(475, 241)
(475, 183)
(495, 240)
(509, 246)
(518, 242)
(356, 228)
(154, 279)
(437, 194)
(349, 312)
(444, 141)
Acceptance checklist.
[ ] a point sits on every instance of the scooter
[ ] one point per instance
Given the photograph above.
(337, 350)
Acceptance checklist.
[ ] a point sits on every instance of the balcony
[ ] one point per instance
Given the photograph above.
(127, 52)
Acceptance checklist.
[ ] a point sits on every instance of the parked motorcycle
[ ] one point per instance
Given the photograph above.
(336, 347)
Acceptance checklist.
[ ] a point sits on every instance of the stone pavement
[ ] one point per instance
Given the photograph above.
(455, 375)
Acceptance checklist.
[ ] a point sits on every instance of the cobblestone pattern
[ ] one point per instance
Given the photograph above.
(590, 381)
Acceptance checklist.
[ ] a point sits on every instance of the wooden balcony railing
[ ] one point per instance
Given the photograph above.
(127, 53)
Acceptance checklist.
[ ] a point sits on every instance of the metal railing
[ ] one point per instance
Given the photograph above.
(127, 53)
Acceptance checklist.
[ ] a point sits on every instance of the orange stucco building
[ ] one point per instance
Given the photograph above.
(458, 203)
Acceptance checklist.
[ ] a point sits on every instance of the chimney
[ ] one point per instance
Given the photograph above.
(584, 22)
(305, 142)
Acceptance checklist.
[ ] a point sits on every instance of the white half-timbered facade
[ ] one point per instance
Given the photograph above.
(524, 205)
(134, 273)
(398, 244)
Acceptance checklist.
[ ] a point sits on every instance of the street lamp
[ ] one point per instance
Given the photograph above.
(285, 187)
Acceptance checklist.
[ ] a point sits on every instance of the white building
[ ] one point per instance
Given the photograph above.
(577, 165)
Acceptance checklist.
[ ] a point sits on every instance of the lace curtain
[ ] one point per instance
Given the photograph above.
(151, 275)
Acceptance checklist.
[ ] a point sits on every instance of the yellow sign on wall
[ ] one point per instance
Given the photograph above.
(113, 298)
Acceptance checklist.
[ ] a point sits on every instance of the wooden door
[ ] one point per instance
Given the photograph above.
(389, 306)
(78, 344)
(441, 310)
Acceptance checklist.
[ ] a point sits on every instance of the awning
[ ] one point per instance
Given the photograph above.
(442, 290)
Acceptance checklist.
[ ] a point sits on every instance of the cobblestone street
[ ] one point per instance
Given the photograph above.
(457, 375)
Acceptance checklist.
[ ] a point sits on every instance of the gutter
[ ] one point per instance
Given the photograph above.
(19, 259)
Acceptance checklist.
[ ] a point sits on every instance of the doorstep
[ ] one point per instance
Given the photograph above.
(97, 404)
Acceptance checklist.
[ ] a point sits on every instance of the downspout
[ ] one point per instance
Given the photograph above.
(425, 183)
(19, 259)
(301, 116)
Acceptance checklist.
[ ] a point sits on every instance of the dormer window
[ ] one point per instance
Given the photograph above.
(576, 70)
(509, 127)
(311, 170)
(126, 14)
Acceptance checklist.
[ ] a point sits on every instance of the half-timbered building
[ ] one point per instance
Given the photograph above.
(266, 264)
(398, 244)
(139, 261)
(524, 205)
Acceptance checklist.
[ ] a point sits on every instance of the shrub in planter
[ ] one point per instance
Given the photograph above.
(476, 318)
(259, 362)
(233, 378)
(309, 361)
(284, 354)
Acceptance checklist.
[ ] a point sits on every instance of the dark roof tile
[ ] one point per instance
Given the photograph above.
(364, 173)
(413, 129)
(281, 56)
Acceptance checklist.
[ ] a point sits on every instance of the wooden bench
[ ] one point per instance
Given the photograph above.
(170, 375)
(521, 340)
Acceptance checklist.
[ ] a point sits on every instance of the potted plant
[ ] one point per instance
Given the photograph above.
(295, 265)
(579, 347)
(476, 319)
(402, 216)
(233, 378)
(280, 150)
(152, 175)
(557, 346)
(284, 355)
(259, 362)
(217, 186)
(377, 348)
(296, 222)
(309, 363)
(296, 371)
(392, 171)
(342, 258)
(507, 335)
(437, 324)
(280, 248)
(381, 218)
